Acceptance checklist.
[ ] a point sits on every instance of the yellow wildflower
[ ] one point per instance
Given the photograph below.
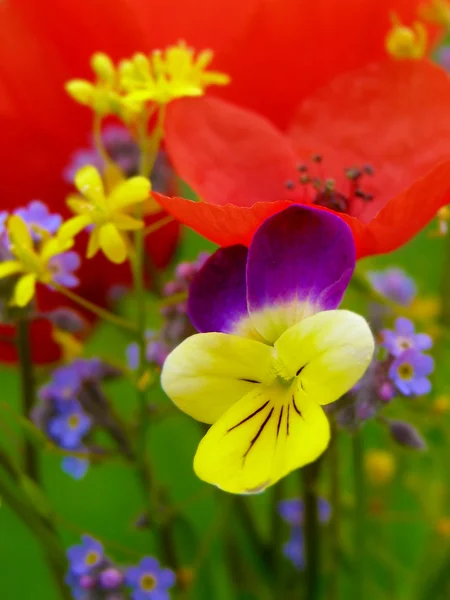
(105, 212)
(103, 95)
(166, 75)
(32, 264)
(406, 42)
(380, 466)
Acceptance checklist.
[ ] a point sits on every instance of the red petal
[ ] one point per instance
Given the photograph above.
(393, 115)
(406, 214)
(231, 224)
(229, 154)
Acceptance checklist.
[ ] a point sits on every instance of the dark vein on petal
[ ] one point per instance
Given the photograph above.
(260, 430)
(300, 370)
(287, 419)
(279, 420)
(250, 380)
(249, 416)
(295, 407)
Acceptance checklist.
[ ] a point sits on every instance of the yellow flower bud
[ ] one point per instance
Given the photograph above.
(82, 91)
(406, 42)
(380, 466)
(103, 67)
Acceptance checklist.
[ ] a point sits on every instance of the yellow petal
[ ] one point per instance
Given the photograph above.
(24, 290)
(89, 183)
(209, 372)
(80, 90)
(112, 243)
(73, 226)
(10, 267)
(19, 233)
(262, 438)
(332, 351)
(94, 243)
(129, 192)
(78, 205)
(127, 223)
(54, 246)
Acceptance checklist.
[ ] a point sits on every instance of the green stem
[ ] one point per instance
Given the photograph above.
(97, 310)
(31, 459)
(335, 497)
(445, 285)
(309, 475)
(360, 512)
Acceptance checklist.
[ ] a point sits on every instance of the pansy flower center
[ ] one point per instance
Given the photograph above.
(147, 582)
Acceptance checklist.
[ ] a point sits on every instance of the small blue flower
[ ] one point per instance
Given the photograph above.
(394, 284)
(132, 355)
(149, 581)
(292, 510)
(404, 337)
(85, 556)
(64, 385)
(294, 548)
(37, 216)
(69, 426)
(409, 372)
(74, 466)
(63, 266)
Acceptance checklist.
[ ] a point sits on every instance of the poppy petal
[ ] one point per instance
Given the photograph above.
(239, 156)
(392, 115)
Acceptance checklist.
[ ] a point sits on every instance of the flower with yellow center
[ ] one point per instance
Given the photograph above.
(106, 213)
(404, 42)
(273, 351)
(167, 75)
(32, 263)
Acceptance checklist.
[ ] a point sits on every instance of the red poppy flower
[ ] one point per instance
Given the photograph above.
(392, 116)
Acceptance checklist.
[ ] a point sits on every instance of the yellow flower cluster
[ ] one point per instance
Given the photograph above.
(32, 263)
(404, 42)
(105, 211)
(161, 77)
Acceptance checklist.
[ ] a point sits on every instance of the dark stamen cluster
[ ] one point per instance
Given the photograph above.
(325, 190)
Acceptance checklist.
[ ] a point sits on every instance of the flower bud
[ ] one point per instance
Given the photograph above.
(380, 466)
(406, 435)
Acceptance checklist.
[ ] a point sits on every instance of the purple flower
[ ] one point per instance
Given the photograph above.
(409, 372)
(404, 337)
(294, 548)
(69, 426)
(111, 578)
(149, 581)
(292, 510)
(132, 356)
(85, 557)
(64, 385)
(63, 266)
(37, 216)
(74, 466)
(394, 284)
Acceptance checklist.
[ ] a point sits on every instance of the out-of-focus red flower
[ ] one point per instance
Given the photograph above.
(393, 116)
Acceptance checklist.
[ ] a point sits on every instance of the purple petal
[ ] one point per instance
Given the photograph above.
(299, 262)
(404, 326)
(423, 363)
(420, 386)
(74, 466)
(132, 576)
(422, 341)
(217, 296)
(166, 578)
(149, 564)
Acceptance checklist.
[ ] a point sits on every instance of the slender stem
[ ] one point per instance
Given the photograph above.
(31, 459)
(333, 454)
(158, 225)
(98, 141)
(309, 475)
(97, 310)
(360, 512)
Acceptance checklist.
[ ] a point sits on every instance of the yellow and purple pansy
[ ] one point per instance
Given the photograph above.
(272, 350)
